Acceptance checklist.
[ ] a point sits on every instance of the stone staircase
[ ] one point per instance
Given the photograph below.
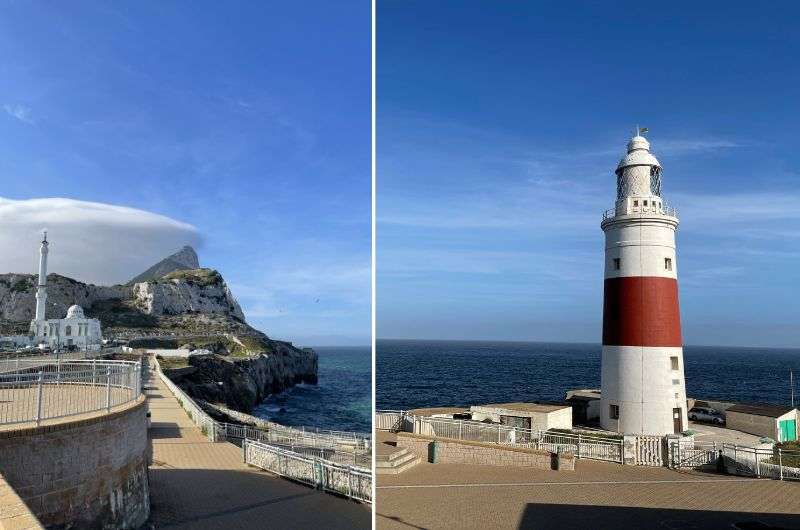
(395, 462)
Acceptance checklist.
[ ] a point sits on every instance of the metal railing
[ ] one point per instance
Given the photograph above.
(298, 442)
(775, 463)
(583, 445)
(319, 446)
(352, 482)
(57, 389)
(665, 209)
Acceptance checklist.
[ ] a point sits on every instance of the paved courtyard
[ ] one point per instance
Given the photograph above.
(595, 495)
(197, 484)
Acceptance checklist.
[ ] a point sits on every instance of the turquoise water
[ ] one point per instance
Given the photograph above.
(342, 399)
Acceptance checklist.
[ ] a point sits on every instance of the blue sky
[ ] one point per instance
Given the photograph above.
(240, 127)
(500, 125)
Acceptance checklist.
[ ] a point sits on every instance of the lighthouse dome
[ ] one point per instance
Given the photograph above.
(638, 142)
(639, 157)
(75, 311)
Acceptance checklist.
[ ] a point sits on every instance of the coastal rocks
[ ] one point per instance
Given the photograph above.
(241, 383)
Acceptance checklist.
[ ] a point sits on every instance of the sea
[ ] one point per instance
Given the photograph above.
(420, 373)
(340, 401)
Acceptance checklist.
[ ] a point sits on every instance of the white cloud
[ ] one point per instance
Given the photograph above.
(89, 241)
(20, 112)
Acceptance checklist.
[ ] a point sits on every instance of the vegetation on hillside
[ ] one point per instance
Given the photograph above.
(200, 277)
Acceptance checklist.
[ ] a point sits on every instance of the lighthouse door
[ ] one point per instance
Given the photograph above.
(676, 421)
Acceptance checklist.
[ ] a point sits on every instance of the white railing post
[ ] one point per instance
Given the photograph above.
(780, 463)
(39, 398)
(108, 389)
(579, 445)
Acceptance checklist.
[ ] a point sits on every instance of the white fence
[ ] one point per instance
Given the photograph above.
(583, 445)
(57, 389)
(288, 447)
(771, 463)
(349, 481)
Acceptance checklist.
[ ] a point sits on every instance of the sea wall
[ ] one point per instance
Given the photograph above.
(452, 451)
(82, 474)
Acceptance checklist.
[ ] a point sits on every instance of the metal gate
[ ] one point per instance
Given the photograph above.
(699, 454)
(649, 451)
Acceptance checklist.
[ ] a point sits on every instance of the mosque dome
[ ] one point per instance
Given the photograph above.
(75, 311)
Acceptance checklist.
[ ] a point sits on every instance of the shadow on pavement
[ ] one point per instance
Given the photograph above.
(568, 516)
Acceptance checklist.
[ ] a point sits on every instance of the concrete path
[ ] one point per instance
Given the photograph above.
(198, 484)
(596, 495)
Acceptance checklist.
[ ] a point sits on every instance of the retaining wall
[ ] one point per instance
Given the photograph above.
(488, 454)
(89, 473)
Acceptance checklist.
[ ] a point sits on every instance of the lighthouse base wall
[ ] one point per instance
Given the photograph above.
(643, 386)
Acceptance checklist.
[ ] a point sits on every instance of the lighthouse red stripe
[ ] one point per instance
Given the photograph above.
(641, 311)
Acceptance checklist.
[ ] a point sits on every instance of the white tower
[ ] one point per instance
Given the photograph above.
(643, 389)
(41, 290)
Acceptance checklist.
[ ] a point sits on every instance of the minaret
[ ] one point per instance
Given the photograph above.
(41, 291)
(643, 389)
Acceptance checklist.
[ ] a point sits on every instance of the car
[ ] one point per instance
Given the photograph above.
(706, 414)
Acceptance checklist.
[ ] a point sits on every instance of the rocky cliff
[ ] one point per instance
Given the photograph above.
(184, 259)
(176, 306)
(242, 383)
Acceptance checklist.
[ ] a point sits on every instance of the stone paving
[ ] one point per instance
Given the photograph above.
(595, 495)
(198, 484)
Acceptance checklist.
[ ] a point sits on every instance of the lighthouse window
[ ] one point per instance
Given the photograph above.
(676, 381)
(616, 264)
(613, 412)
(636, 203)
(674, 362)
(644, 203)
(668, 263)
(69, 330)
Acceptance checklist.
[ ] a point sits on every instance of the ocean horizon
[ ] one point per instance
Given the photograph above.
(413, 373)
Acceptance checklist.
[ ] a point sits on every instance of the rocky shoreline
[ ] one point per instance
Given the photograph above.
(241, 383)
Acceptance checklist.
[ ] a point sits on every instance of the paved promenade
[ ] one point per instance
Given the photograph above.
(595, 495)
(198, 484)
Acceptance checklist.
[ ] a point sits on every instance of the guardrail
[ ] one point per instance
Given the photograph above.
(295, 443)
(583, 445)
(344, 480)
(58, 389)
(775, 463)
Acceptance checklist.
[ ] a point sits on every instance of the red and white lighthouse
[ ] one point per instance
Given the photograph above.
(643, 389)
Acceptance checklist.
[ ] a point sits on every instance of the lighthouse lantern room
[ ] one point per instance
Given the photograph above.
(642, 374)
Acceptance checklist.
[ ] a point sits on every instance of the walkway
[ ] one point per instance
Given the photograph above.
(596, 495)
(198, 484)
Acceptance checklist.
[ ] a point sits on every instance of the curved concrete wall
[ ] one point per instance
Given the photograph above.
(82, 474)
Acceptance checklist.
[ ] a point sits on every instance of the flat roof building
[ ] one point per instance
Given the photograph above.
(778, 422)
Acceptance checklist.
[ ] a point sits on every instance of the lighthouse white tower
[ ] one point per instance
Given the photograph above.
(643, 389)
(41, 290)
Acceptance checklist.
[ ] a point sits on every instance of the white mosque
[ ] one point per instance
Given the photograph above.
(74, 331)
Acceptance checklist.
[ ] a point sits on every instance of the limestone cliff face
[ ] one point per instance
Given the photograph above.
(242, 383)
(187, 291)
(18, 300)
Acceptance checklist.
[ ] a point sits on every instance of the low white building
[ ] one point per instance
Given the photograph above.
(534, 416)
(772, 421)
(75, 330)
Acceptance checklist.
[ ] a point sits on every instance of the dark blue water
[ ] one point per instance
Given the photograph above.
(341, 401)
(413, 374)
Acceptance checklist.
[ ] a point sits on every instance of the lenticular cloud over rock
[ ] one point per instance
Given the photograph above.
(89, 241)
